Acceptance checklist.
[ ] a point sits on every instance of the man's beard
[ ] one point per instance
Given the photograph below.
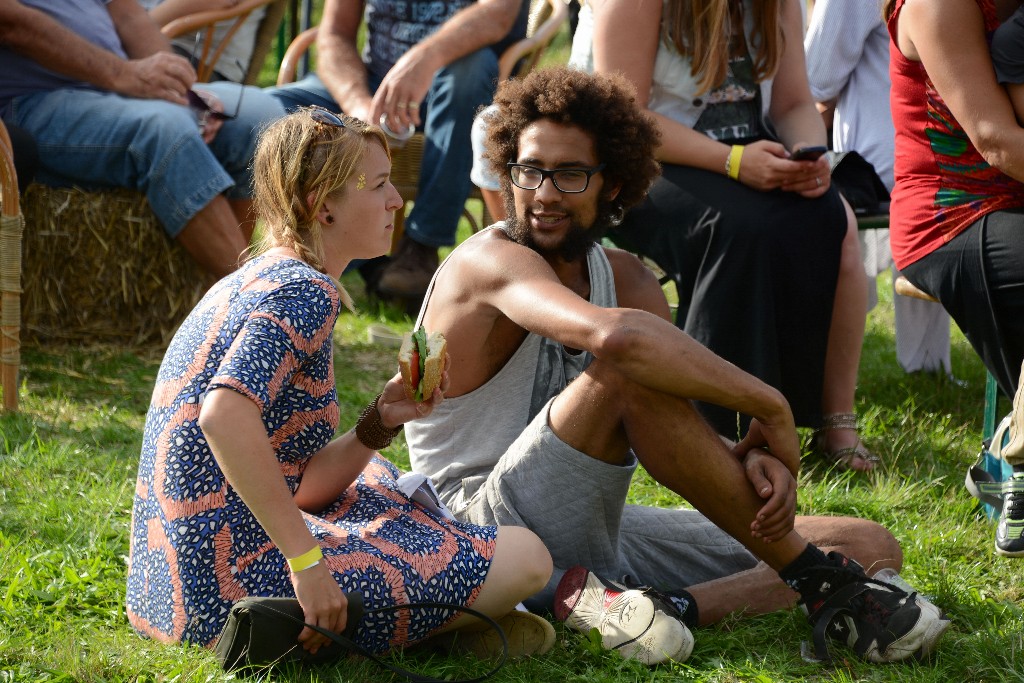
(577, 240)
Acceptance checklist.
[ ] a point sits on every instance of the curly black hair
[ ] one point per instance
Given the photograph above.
(602, 105)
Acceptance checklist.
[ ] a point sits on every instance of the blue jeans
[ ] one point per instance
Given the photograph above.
(456, 93)
(94, 140)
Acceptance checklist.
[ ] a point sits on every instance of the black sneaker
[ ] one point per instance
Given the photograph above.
(879, 621)
(1009, 541)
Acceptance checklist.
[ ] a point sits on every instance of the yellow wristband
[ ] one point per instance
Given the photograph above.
(732, 164)
(310, 558)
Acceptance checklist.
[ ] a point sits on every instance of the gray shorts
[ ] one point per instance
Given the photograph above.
(576, 505)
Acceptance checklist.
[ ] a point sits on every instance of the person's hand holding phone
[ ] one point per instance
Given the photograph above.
(809, 153)
(811, 175)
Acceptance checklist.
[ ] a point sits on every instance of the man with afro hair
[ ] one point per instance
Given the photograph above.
(566, 373)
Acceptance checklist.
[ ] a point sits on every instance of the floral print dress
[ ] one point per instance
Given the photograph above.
(266, 332)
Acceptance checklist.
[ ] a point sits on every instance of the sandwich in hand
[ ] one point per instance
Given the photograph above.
(421, 360)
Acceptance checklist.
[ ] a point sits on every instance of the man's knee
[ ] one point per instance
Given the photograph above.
(308, 91)
(605, 380)
(868, 542)
(600, 389)
(885, 550)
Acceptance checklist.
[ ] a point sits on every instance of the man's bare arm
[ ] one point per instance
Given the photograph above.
(139, 32)
(637, 287)
(339, 64)
(643, 344)
(474, 27)
(43, 39)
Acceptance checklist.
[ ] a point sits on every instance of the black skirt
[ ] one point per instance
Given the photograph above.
(756, 274)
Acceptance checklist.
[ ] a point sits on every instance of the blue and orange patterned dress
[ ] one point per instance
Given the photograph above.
(266, 332)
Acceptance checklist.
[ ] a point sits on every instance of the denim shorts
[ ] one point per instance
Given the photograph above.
(93, 139)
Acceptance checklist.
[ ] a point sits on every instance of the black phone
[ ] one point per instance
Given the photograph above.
(808, 153)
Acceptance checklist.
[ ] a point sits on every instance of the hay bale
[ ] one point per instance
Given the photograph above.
(97, 266)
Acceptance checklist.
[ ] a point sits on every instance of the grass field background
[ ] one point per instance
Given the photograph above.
(67, 473)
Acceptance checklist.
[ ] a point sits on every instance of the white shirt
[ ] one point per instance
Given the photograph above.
(673, 85)
(847, 48)
(234, 61)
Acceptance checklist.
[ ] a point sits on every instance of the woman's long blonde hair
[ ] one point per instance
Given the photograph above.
(701, 30)
(300, 162)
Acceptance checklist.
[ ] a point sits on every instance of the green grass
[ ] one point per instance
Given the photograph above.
(67, 471)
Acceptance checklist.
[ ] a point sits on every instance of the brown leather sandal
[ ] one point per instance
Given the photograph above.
(843, 457)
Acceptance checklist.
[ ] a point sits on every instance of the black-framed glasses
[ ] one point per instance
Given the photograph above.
(568, 180)
(325, 116)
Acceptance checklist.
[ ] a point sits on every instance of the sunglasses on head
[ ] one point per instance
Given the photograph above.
(321, 117)
(325, 116)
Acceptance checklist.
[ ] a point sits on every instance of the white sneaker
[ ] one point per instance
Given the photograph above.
(628, 621)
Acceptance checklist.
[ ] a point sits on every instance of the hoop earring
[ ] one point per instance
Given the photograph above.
(329, 219)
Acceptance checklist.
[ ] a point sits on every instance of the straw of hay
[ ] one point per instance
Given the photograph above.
(97, 266)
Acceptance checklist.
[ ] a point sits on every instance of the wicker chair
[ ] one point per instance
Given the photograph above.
(210, 52)
(12, 224)
(546, 19)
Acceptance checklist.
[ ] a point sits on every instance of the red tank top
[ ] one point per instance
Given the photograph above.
(942, 183)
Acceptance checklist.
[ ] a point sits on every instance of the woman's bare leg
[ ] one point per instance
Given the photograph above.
(521, 566)
(845, 337)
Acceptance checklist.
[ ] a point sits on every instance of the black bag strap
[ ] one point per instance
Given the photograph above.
(347, 644)
(982, 485)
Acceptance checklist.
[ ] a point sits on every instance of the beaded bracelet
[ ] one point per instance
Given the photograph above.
(371, 432)
(310, 558)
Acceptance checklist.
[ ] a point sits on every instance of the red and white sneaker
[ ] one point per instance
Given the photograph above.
(628, 621)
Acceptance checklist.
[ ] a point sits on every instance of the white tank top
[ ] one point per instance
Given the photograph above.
(461, 441)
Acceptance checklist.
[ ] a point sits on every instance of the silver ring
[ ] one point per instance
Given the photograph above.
(817, 180)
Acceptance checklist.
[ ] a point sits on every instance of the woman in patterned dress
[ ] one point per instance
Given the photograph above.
(239, 470)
